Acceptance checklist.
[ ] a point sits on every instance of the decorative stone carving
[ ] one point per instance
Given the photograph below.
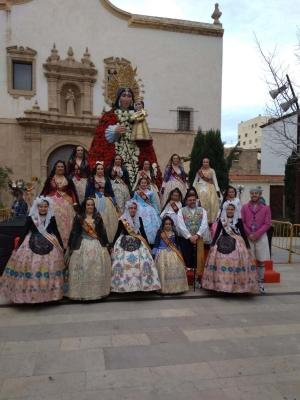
(110, 69)
(66, 76)
(23, 55)
(5, 5)
(216, 15)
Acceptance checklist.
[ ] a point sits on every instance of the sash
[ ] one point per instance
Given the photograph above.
(170, 245)
(201, 174)
(101, 190)
(174, 206)
(89, 230)
(144, 197)
(230, 232)
(65, 196)
(117, 177)
(53, 240)
(144, 175)
(176, 176)
(131, 232)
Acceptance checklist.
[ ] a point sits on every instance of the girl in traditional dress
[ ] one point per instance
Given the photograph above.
(229, 266)
(118, 174)
(174, 177)
(100, 188)
(79, 170)
(133, 268)
(208, 190)
(231, 195)
(149, 211)
(34, 273)
(63, 193)
(172, 206)
(146, 171)
(90, 263)
(168, 259)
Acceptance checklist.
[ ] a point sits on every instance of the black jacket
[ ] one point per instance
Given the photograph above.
(30, 227)
(122, 231)
(239, 225)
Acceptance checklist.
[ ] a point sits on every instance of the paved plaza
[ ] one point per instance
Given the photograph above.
(200, 345)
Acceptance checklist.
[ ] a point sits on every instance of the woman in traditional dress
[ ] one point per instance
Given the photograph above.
(90, 263)
(149, 211)
(229, 266)
(100, 188)
(64, 196)
(133, 268)
(172, 206)
(79, 170)
(174, 177)
(168, 259)
(113, 133)
(118, 174)
(34, 273)
(208, 190)
(146, 171)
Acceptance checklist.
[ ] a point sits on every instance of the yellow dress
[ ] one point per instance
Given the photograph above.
(140, 130)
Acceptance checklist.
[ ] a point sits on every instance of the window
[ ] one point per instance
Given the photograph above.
(246, 134)
(239, 136)
(250, 141)
(255, 126)
(22, 76)
(185, 119)
(252, 126)
(21, 72)
(255, 131)
(244, 143)
(256, 140)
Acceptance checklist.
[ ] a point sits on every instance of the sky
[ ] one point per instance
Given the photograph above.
(244, 90)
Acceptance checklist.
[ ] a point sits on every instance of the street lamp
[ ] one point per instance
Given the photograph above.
(285, 106)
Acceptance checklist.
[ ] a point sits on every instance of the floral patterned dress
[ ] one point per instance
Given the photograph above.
(79, 174)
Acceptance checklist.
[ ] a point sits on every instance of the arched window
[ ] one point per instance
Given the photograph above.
(60, 153)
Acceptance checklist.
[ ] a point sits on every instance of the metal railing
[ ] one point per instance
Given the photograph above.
(4, 214)
(286, 236)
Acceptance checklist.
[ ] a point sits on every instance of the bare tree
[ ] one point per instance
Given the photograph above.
(283, 124)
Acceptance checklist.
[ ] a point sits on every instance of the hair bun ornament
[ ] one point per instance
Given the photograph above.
(100, 162)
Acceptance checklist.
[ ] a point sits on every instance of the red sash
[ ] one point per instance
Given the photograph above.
(53, 240)
(174, 206)
(201, 174)
(89, 230)
(170, 245)
(176, 176)
(144, 175)
(117, 177)
(144, 197)
(62, 194)
(131, 232)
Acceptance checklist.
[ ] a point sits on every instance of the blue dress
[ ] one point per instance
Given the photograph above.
(149, 214)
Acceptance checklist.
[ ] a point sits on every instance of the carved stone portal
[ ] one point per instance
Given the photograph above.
(70, 76)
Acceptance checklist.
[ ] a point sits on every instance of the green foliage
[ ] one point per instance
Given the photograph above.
(210, 145)
(233, 155)
(5, 173)
(289, 186)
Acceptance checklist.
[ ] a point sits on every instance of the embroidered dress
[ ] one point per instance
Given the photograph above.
(133, 268)
(229, 266)
(105, 202)
(120, 185)
(149, 213)
(170, 265)
(151, 183)
(79, 174)
(34, 273)
(90, 263)
(171, 210)
(173, 178)
(63, 199)
(206, 185)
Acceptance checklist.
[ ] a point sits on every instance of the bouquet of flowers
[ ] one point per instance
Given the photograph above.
(19, 187)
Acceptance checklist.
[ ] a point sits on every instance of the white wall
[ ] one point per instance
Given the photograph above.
(177, 69)
(275, 148)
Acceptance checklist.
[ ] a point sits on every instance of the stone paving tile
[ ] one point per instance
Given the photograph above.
(236, 332)
(261, 392)
(256, 365)
(181, 322)
(291, 299)
(166, 337)
(69, 361)
(289, 390)
(133, 357)
(178, 312)
(31, 346)
(14, 365)
(181, 353)
(39, 386)
(218, 350)
(214, 394)
(31, 320)
(183, 372)
(94, 342)
(70, 344)
(18, 311)
(130, 340)
(203, 334)
(122, 378)
(63, 309)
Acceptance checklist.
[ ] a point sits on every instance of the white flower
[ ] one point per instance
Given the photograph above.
(154, 165)
(14, 185)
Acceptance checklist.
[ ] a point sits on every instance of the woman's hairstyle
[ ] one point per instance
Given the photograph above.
(141, 167)
(176, 190)
(112, 163)
(189, 193)
(46, 188)
(171, 160)
(116, 105)
(83, 207)
(167, 218)
(142, 179)
(225, 195)
(94, 171)
(73, 154)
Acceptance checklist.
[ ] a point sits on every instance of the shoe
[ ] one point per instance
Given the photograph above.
(262, 288)
(198, 284)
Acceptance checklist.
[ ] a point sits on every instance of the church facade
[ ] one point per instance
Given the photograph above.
(58, 57)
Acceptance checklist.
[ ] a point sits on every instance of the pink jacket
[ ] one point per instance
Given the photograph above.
(261, 215)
